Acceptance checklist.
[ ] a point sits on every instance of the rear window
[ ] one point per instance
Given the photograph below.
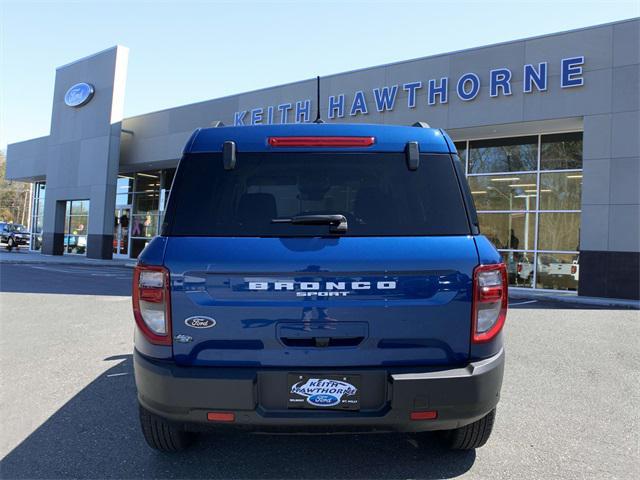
(376, 192)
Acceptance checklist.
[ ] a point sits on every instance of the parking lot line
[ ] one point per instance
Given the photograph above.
(522, 303)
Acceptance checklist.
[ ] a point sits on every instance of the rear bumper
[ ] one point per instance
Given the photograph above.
(257, 396)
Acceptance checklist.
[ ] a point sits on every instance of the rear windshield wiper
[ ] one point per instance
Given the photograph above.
(337, 223)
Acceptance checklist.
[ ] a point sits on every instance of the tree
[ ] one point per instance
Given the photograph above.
(14, 197)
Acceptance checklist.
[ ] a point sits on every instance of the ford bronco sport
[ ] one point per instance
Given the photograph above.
(319, 278)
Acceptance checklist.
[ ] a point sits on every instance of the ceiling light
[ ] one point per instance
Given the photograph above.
(506, 179)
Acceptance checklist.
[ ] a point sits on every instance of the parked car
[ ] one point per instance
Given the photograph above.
(319, 278)
(560, 275)
(13, 235)
(524, 270)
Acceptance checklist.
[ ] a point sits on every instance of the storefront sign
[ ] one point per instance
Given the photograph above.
(435, 91)
(79, 94)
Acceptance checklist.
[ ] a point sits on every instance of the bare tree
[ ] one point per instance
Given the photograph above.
(14, 197)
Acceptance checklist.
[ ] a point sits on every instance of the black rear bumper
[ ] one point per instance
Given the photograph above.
(258, 396)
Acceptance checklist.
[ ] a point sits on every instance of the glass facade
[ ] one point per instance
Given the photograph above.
(37, 215)
(145, 194)
(76, 225)
(527, 191)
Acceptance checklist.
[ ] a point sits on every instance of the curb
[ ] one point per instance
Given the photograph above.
(576, 299)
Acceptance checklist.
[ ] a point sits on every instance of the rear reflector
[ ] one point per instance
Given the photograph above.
(321, 141)
(221, 416)
(426, 415)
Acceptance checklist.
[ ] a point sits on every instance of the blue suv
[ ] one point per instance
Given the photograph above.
(319, 278)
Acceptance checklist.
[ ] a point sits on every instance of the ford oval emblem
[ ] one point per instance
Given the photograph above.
(79, 94)
(323, 400)
(200, 322)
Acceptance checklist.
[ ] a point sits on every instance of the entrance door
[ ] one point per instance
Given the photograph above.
(121, 231)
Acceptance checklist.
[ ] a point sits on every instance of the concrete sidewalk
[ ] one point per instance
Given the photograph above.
(26, 256)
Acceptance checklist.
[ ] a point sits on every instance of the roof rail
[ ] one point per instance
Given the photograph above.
(421, 125)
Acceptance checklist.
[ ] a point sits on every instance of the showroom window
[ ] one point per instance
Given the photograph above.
(76, 224)
(527, 192)
(37, 215)
(147, 193)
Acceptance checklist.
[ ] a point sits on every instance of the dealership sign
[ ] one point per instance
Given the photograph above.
(79, 94)
(435, 91)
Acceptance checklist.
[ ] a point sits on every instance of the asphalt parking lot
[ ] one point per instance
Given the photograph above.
(569, 409)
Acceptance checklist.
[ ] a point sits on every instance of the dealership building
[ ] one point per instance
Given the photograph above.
(547, 128)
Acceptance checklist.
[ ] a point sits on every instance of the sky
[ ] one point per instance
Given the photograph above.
(187, 51)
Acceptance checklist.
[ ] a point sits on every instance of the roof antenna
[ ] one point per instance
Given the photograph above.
(318, 119)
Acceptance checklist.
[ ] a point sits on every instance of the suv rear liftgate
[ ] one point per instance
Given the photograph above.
(316, 285)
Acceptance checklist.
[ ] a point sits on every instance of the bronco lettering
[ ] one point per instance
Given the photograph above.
(322, 286)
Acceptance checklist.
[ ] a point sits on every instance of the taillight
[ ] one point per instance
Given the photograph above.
(321, 141)
(490, 299)
(152, 303)
(519, 268)
(574, 269)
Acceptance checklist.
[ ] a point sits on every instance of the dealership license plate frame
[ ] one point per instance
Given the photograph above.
(350, 402)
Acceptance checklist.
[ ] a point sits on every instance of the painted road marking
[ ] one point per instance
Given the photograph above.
(49, 269)
(522, 303)
(83, 271)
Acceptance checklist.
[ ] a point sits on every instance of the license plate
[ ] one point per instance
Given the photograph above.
(334, 392)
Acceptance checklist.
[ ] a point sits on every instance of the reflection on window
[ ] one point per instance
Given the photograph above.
(504, 192)
(558, 271)
(75, 226)
(560, 191)
(513, 231)
(462, 151)
(147, 181)
(561, 151)
(503, 155)
(78, 207)
(125, 184)
(75, 244)
(511, 204)
(146, 202)
(559, 231)
(520, 268)
(37, 215)
(144, 225)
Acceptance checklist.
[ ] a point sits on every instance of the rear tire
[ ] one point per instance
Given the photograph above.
(471, 436)
(163, 435)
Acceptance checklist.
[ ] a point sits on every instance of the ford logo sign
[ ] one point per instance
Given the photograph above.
(79, 94)
(200, 322)
(323, 400)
